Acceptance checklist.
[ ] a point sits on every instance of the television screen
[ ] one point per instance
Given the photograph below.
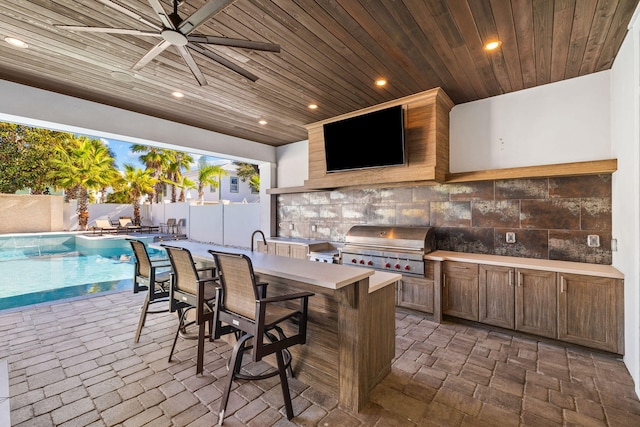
(371, 140)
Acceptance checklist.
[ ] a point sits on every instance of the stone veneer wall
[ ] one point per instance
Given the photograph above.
(551, 217)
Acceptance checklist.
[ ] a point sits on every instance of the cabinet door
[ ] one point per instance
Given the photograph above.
(261, 247)
(298, 251)
(415, 293)
(282, 249)
(536, 302)
(496, 296)
(588, 310)
(460, 290)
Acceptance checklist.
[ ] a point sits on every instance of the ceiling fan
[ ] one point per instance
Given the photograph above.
(177, 32)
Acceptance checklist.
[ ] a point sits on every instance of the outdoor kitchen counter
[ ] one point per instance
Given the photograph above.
(599, 270)
(351, 320)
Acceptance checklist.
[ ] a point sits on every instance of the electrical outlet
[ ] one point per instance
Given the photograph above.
(290, 226)
(510, 237)
(593, 240)
(314, 228)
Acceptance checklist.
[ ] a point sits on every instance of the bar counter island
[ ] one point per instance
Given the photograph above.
(351, 320)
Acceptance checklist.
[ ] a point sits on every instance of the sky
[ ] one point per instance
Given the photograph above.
(124, 155)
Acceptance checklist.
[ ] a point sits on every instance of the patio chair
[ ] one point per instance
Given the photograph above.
(191, 289)
(148, 226)
(168, 227)
(243, 309)
(103, 225)
(149, 277)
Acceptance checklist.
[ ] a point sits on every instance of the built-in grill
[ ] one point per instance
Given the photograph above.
(389, 248)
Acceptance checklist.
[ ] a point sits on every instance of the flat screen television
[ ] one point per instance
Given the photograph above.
(370, 140)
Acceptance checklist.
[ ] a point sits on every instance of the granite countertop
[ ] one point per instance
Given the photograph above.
(537, 264)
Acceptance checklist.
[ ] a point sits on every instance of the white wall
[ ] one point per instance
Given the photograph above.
(625, 131)
(293, 164)
(207, 223)
(31, 106)
(567, 121)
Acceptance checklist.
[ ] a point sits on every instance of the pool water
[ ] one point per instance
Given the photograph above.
(41, 268)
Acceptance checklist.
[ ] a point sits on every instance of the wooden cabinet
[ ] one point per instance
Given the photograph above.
(460, 289)
(284, 249)
(590, 311)
(417, 293)
(269, 248)
(496, 296)
(536, 302)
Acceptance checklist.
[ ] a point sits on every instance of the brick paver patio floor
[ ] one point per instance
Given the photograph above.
(74, 363)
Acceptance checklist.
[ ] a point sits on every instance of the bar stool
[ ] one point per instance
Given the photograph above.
(241, 306)
(148, 278)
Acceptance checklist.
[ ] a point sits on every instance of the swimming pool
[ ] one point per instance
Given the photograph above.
(37, 268)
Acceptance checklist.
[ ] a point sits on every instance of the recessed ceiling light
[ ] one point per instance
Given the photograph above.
(493, 45)
(381, 82)
(262, 122)
(312, 106)
(122, 76)
(16, 42)
(177, 94)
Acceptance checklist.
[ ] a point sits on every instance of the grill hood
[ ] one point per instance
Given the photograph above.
(406, 238)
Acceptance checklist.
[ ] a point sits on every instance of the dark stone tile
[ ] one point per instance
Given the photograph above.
(572, 246)
(365, 196)
(395, 195)
(553, 214)
(431, 193)
(596, 214)
(580, 186)
(522, 189)
(491, 213)
(450, 214)
(529, 243)
(412, 214)
(482, 190)
(473, 240)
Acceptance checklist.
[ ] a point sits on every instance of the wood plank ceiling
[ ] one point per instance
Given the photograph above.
(332, 52)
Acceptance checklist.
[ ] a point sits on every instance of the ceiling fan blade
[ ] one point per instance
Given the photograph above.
(129, 13)
(222, 61)
(191, 63)
(209, 9)
(108, 30)
(159, 10)
(155, 51)
(226, 41)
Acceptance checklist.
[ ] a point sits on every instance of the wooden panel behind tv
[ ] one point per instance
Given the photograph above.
(426, 145)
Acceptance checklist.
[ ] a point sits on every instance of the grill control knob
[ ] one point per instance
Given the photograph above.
(370, 263)
(361, 261)
(354, 261)
(397, 266)
(406, 267)
(387, 265)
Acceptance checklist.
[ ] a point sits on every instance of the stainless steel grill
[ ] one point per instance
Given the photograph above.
(389, 248)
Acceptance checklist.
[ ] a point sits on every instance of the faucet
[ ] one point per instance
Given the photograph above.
(264, 240)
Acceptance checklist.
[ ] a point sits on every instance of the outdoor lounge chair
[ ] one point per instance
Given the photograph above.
(127, 225)
(103, 225)
(169, 227)
(148, 226)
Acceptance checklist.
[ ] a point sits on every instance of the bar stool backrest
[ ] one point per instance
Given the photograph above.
(238, 281)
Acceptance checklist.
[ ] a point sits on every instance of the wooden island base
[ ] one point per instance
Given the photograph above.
(350, 338)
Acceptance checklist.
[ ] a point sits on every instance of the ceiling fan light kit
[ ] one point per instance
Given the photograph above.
(177, 32)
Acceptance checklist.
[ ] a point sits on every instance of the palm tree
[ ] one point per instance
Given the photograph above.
(155, 159)
(83, 164)
(139, 182)
(183, 184)
(178, 161)
(209, 175)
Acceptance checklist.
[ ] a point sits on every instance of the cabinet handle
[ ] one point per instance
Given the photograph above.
(444, 280)
(562, 285)
(519, 279)
(510, 277)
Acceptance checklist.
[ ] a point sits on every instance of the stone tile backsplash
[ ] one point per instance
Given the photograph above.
(551, 217)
